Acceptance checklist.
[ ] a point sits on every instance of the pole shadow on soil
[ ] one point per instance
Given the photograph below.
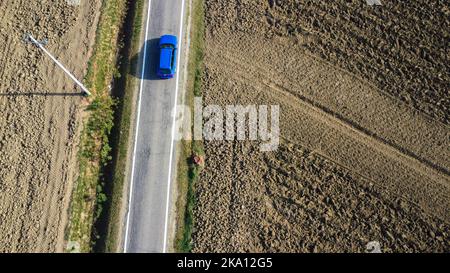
(30, 94)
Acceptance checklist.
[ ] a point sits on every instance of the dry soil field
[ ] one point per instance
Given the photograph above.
(364, 101)
(39, 117)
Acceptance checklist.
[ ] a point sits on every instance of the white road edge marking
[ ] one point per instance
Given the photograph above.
(180, 39)
(137, 127)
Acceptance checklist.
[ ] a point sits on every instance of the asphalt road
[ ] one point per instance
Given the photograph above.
(154, 155)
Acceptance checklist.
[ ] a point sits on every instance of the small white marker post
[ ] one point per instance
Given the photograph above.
(34, 41)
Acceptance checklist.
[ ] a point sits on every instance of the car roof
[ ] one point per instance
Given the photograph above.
(165, 58)
(168, 39)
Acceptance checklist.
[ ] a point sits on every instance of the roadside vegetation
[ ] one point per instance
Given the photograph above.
(188, 170)
(121, 132)
(88, 196)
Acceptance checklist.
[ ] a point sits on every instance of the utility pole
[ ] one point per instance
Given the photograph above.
(38, 44)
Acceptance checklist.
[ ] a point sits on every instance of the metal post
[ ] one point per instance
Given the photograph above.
(34, 41)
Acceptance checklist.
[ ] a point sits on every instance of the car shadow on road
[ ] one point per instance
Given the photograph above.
(151, 64)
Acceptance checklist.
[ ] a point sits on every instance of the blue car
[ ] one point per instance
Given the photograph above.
(168, 46)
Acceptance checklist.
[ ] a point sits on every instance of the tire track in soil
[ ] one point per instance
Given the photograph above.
(310, 196)
(388, 154)
(314, 196)
(407, 53)
(335, 117)
(418, 146)
(368, 180)
(272, 80)
(234, 187)
(7, 41)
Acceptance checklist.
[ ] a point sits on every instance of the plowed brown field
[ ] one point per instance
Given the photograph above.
(39, 117)
(364, 101)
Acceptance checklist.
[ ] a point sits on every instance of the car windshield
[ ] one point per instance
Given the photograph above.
(166, 46)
